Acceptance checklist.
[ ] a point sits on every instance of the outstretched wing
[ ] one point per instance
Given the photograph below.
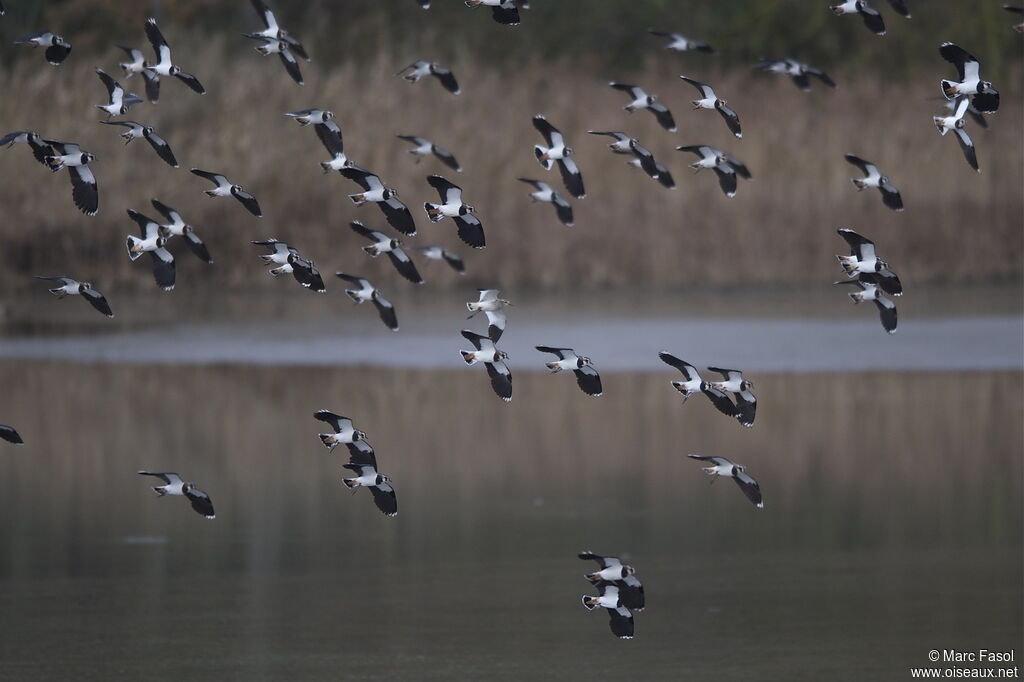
(161, 147)
(688, 370)
(97, 300)
(749, 487)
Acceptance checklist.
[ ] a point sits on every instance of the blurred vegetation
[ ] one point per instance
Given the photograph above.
(610, 33)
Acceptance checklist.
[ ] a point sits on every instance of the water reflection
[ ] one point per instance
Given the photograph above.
(892, 525)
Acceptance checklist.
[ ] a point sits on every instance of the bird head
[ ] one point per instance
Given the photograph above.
(585, 360)
(568, 151)
(381, 478)
(161, 242)
(87, 157)
(960, 123)
(328, 115)
(466, 208)
(628, 570)
(651, 99)
(359, 435)
(390, 193)
(747, 385)
(148, 130)
(395, 243)
(84, 286)
(985, 86)
(175, 70)
(884, 179)
(502, 355)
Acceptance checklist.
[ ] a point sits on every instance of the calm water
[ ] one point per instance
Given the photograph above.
(892, 525)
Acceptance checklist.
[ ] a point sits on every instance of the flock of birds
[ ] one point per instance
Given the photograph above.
(620, 592)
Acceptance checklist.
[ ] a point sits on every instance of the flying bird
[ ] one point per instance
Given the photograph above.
(177, 227)
(440, 253)
(304, 271)
(503, 11)
(425, 147)
(283, 50)
(797, 71)
(870, 290)
(493, 359)
(709, 100)
(470, 230)
(367, 292)
(681, 43)
(118, 101)
(84, 191)
(343, 430)
(165, 67)
(271, 30)
(10, 434)
(152, 242)
(873, 178)
(956, 123)
(420, 68)
(136, 62)
(491, 305)
(746, 403)
(984, 97)
(557, 151)
(695, 384)
(587, 377)
(642, 157)
(396, 213)
(543, 192)
(224, 188)
(330, 137)
(864, 260)
(173, 485)
(136, 130)
(40, 150)
(726, 167)
(641, 100)
(381, 243)
(363, 462)
(720, 466)
(72, 287)
(621, 622)
(57, 49)
(619, 574)
(872, 19)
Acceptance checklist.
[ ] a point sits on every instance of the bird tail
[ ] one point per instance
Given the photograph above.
(350, 483)
(133, 254)
(948, 88)
(589, 602)
(326, 439)
(469, 357)
(357, 199)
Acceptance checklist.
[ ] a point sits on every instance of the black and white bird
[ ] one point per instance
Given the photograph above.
(84, 191)
(709, 100)
(661, 174)
(164, 66)
(726, 167)
(271, 29)
(542, 191)
(746, 403)
(870, 290)
(874, 178)
(798, 71)
(983, 96)
(621, 575)
(470, 230)
(956, 123)
(720, 466)
(136, 62)
(343, 430)
(57, 49)
(621, 622)
(641, 100)
(303, 270)
(872, 19)
(491, 305)
(177, 227)
(279, 251)
(587, 377)
(695, 384)
(224, 188)
(503, 11)
(381, 243)
(155, 245)
(494, 359)
(367, 292)
(396, 213)
(1016, 9)
(681, 43)
(420, 68)
(118, 101)
(70, 287)
(329, 133)
(174, 485)
(136, 130)
(283, 50)
(433, 252)
(864, 260)
(307, 116)
(425, 147)
(363, 462)
(10, 434)
(40, 150)
(557, 151)
(642, 157)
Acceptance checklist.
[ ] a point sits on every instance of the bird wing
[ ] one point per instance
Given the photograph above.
(866, 167)
(450, 192)
(589, 380)
(967, 146)
(704, 89)
(966, 64)
(173, 216)
(446, 157)
(337, 422)
(201, 502)
(196, 245)
(361, 229)
(362, 177)
(386, 311)
(447, 79)
(479, 341)
(385, 499)
(688, 370)
(161, 147)
(562, 353)
(110, 83)
(163, 268)
(406, 268)
(454, 261)
(552, 136)
(862, 247)
(291, 65)
(470, 230)
(501, 379)
(97, 300)
(664, 116)
(749, 487)
(572, 177)
(398, 215)
(168, 477)
(330, 136)
(84, 191)
(731, 119)
(886, 313)
(719, 399)
(495, 324)
(192, 82)
(729, 374)
(266, 16)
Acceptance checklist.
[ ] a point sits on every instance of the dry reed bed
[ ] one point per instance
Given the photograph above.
(779, 229)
